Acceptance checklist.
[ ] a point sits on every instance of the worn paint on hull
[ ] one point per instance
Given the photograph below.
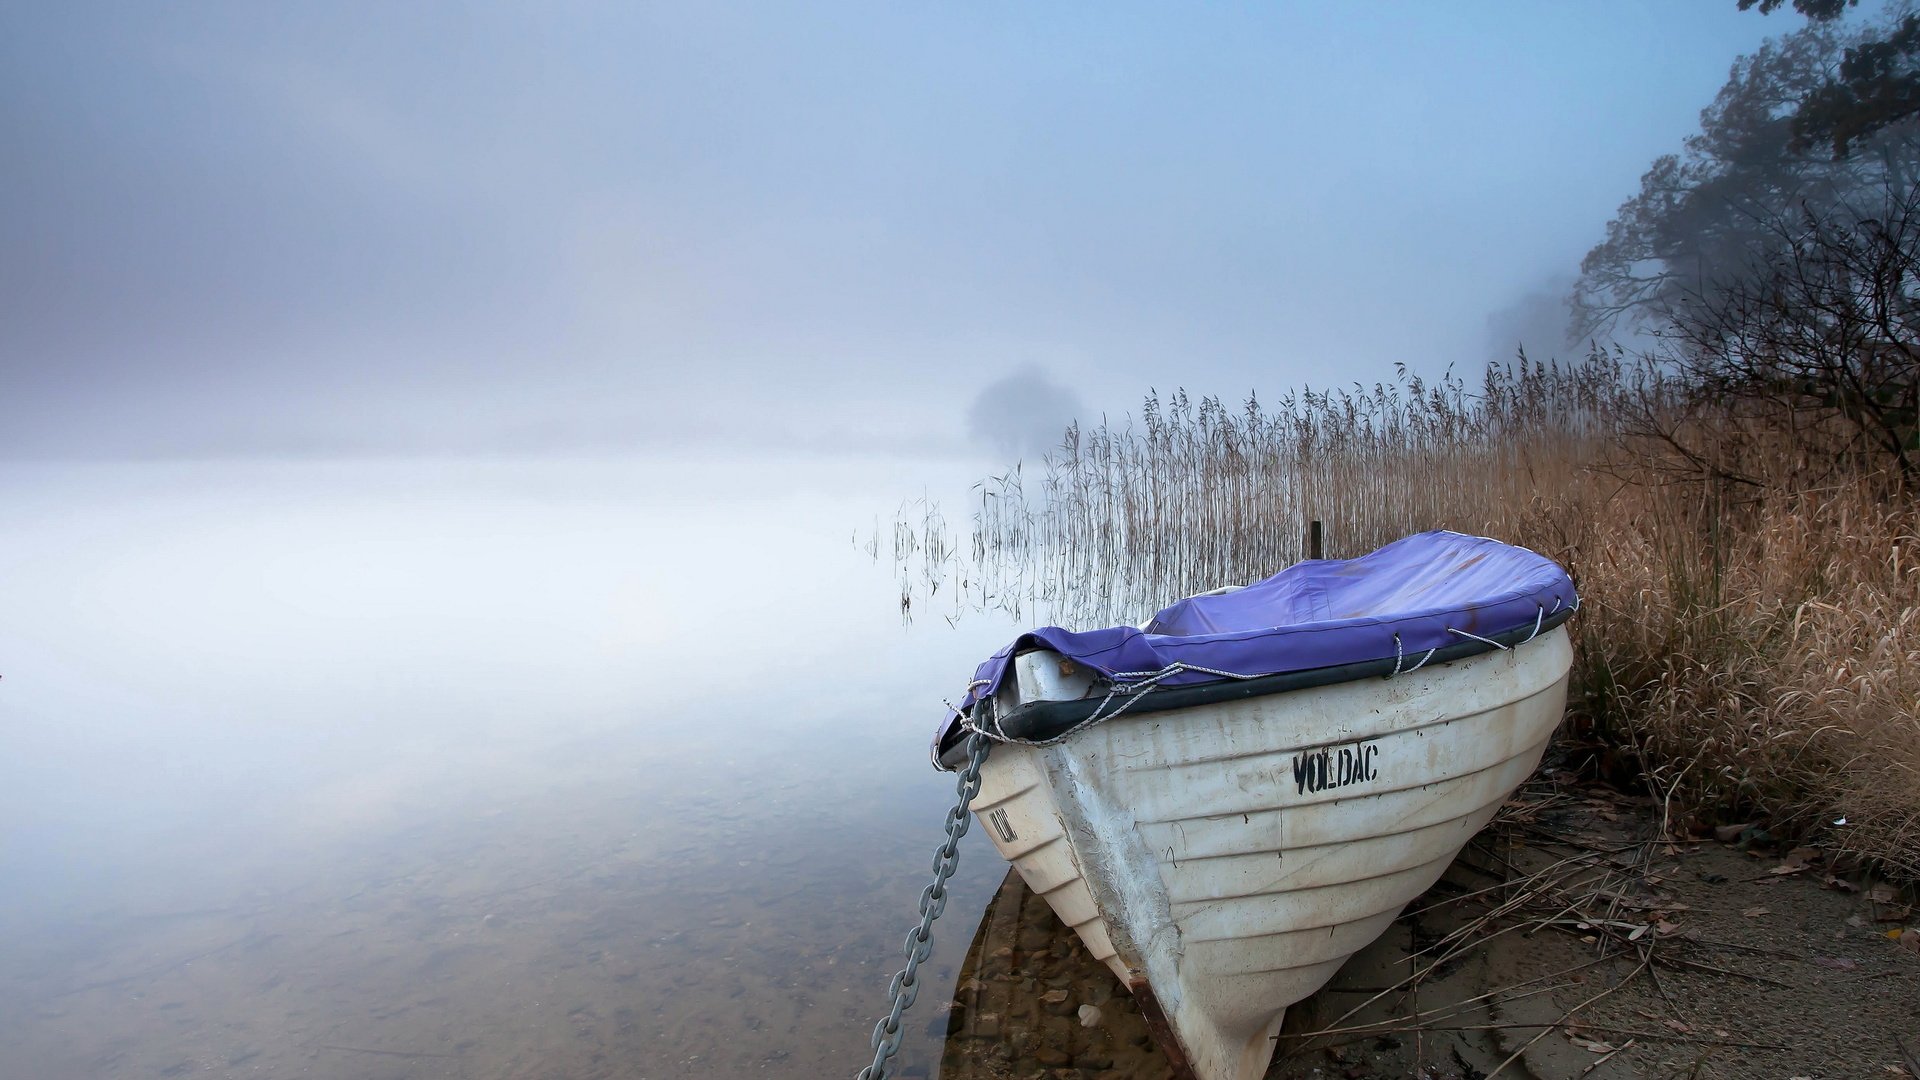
(1231, 857)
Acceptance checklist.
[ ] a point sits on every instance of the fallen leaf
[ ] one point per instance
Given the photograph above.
(1881, 894)
(1756, 912)
(1665, 928)
(1804, 854)
(1684, 1029)
(1841, 885)
(1788, 868)
(1836, 963)
(1910, 941)
(1727, 834)
(1592, 1045)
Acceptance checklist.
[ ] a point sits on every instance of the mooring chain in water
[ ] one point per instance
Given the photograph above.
(933, 900)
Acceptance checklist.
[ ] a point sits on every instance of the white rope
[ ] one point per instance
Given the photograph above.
(1400, 657)
(1477, 637)
(1174, 669)
(1136, 691)
(965, 693)
(1539, 620)
(1132, 685)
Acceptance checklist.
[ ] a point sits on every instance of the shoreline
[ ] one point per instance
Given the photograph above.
(1569, 940)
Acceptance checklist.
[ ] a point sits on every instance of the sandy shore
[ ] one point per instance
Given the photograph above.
(1565, 942)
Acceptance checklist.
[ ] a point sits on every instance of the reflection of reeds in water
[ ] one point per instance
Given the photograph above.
(923, 553)
(1193, 494)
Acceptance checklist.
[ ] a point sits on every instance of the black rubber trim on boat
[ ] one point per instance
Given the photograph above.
(1042, 720)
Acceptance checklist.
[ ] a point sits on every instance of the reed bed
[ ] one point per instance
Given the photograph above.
(1130, 516)
(1749, 642)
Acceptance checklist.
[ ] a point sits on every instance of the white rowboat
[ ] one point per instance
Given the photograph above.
(1224, 858)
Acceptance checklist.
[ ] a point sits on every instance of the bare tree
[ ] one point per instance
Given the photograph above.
(1816, 336)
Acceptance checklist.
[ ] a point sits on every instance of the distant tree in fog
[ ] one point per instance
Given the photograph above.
(1022, 414)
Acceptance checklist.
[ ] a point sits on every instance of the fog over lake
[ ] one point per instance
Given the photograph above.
(285, 739)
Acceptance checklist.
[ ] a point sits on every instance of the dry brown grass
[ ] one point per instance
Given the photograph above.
(1749, 634)
(1766, 662)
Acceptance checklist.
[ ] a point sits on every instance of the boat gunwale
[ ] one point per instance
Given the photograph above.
(1050, 718)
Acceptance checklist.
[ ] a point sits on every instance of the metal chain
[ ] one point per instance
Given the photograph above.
(933, 900)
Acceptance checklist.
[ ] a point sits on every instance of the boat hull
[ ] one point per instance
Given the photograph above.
(1224, 861)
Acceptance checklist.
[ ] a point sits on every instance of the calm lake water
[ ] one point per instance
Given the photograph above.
(475, 770)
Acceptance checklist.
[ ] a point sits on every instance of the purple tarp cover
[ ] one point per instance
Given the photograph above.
(1319, 613)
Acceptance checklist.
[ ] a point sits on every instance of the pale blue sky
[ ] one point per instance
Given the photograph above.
(251, 228)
